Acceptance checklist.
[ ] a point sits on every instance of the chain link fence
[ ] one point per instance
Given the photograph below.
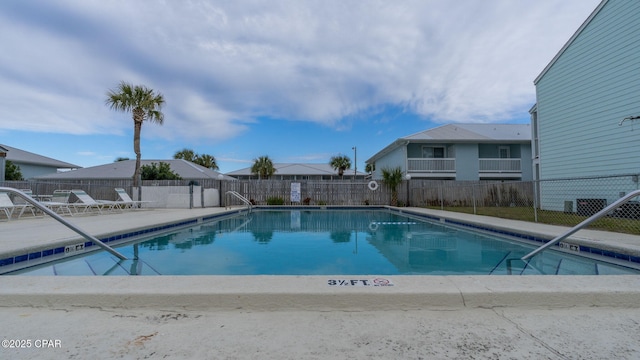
(564, 202)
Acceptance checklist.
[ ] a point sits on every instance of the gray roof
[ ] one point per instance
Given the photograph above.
(475, 133)
(295, 169)
(18, 156)
(125, 169)
(463, 133)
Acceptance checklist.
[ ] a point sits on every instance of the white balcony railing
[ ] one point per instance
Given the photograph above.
(447, 165)
(500, 165)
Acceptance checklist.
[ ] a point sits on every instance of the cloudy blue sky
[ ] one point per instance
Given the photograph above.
(299, 81)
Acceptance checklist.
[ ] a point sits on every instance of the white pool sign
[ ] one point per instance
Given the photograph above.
(295, 192)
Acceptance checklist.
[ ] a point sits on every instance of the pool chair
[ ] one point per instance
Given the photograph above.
(125, 200)
(6, 205)
(9, 206)
(21, 202)
(59, 202)
(87, 203)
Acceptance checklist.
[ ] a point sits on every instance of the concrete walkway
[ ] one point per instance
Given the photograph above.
(176, 333)
(304, 317)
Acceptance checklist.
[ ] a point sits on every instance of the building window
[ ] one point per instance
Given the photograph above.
(504, 152)
(433, 152)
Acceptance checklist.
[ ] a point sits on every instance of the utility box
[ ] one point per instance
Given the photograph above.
(588, 207)
(568, 207)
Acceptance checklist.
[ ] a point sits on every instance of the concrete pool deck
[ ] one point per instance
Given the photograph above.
(293, 317)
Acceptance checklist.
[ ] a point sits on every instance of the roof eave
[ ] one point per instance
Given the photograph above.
(389, 148)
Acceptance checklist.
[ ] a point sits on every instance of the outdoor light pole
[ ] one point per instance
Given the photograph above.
(355, 162)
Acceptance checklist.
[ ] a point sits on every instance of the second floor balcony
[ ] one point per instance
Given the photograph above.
(440, 165)
(486, 167)
(500, 165)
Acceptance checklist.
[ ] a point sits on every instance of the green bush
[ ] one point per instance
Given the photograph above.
(275, 201)
(158, 172)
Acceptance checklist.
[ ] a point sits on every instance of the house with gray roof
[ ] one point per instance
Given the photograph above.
(298, 171)
(124, 170)
(33, 165)
(460, 152)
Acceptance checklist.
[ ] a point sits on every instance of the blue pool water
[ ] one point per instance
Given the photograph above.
(321, 242)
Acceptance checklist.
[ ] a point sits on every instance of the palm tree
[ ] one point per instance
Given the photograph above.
(370, 168)
(144, 104)
(185, 154)
(263, 167)
(392, 178)
(340, 163)
(207, 161)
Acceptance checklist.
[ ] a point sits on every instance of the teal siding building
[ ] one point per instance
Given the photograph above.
(586, 98)
(466, 152)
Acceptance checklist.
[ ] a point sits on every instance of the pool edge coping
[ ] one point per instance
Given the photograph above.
(286, 293)
(40, 254)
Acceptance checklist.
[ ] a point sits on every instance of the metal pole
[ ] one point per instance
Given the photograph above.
(473, 195)
(355, 163)
(536, 184)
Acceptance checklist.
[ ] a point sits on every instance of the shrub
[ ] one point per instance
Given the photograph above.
(160, 171)
(12, 171)
(275, 201)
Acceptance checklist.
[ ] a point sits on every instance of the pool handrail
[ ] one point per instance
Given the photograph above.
(242, 198)
(586, 222)
(61, 220)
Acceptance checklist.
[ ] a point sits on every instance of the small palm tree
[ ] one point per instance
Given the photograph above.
(392, 178)
(263, 167)
(144, 104)
(207, 161)
(370, 168)
(340, 163)
(185, 154)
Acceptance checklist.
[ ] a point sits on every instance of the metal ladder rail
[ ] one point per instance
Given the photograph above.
(64, 222)
(242, 198)
(588, 221)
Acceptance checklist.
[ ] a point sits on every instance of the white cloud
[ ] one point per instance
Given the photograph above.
(220, 64)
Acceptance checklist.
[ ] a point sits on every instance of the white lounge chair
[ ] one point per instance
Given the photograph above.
(9, 206)
(87, 202)
(6, 205)
(125, 200)
(19, 201)
(59, 202)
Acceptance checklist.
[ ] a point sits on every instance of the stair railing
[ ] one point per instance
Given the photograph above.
(588, 221)
(61, 220)
(242, 198)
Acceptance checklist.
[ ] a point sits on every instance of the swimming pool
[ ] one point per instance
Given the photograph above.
(326, 242)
